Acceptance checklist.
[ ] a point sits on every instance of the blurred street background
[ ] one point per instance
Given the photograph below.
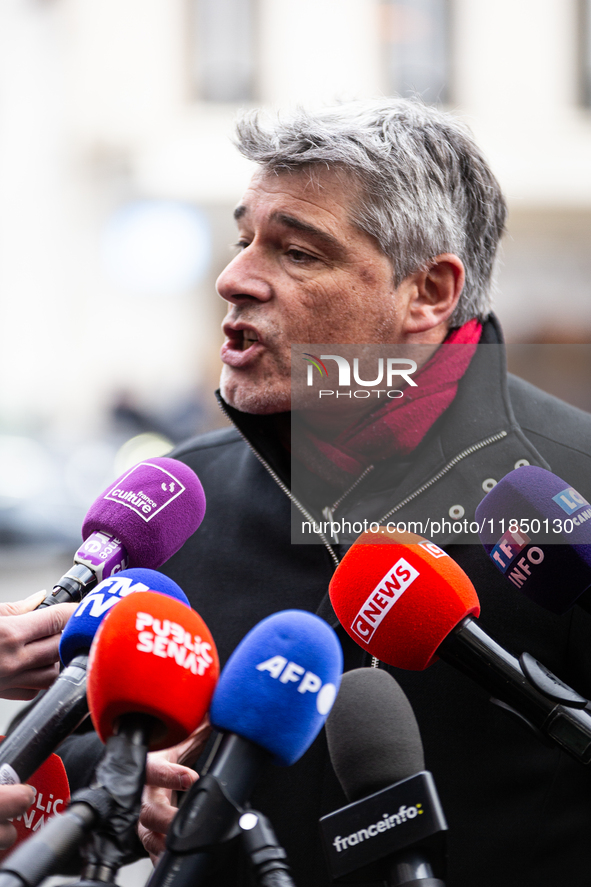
(118, 179)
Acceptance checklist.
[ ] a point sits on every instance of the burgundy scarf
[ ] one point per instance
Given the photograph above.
(398, 426)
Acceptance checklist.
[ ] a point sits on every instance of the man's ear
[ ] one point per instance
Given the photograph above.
(433, 294)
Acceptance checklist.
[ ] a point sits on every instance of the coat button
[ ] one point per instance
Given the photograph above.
(457, 511)
(488, 484)
(521, 462)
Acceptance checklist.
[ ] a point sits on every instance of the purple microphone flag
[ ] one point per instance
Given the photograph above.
(103, 554)
(146, 491)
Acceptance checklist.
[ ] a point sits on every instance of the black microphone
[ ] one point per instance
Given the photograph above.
(394, 828)
(113, 797)
(272, 699)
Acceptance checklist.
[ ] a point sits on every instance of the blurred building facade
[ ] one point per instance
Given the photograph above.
(118, 179)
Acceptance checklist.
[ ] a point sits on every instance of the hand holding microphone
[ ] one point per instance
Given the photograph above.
(14, 801)
(50, 795)
(172, 671)
(140, 520)
(29, 642)
(166, 774)
(168, 771)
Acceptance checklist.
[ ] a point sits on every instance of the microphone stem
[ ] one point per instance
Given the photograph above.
(237, 764)
(71, 588)
(121, 772)
(478, 656)
(97, 872)
(275, 879)
(137, 729)
(46, 851)
(57, 714)
(266, 855)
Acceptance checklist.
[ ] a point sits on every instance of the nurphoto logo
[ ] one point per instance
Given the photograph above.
(389, 370)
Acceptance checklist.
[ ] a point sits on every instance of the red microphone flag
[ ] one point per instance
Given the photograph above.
(52, 795)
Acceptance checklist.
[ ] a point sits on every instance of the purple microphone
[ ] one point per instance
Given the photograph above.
(536, 529)
(141, 520)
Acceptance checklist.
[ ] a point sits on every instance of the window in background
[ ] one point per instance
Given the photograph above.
(416, 48)
(223, 49)
(585, 51)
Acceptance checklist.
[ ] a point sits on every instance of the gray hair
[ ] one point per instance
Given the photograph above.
(426, 188)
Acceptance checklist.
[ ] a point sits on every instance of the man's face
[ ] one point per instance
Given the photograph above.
(304, 275)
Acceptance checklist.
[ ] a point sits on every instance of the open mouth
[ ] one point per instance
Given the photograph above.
(247, 338)
(242, 346)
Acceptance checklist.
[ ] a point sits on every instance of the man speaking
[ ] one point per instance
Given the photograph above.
(378, 223)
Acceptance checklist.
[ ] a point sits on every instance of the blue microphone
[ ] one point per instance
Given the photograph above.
(63, 707)
(270, 703)
(82, 626)
(289, 692)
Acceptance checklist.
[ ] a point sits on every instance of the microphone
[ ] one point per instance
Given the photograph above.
(152, 656)
(393, 829)
(64, 706)
(139, 521)
(52, 793)
(272, 699)
(537, 531)
(409, 605)
(142, 695)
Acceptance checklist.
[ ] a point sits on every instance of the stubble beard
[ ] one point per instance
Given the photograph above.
(261, 394)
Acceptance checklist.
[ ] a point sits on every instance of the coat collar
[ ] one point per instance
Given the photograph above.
(471, 446)
(481, 409)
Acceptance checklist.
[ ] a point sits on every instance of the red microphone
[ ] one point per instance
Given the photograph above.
(52, 794)
(154, 656)
(404, 600)
(399, 595)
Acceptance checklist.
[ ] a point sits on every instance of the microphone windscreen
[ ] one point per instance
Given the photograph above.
(279, 684)
(537, 530)
(399, 602)
(152, 655)
(52, 794)
(86, 618)
(152, 510)
(372, 733)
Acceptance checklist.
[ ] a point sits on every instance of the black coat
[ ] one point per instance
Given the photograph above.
(519, 812)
